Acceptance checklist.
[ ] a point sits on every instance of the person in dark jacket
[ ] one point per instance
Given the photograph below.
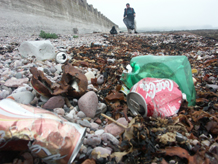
(129, 18)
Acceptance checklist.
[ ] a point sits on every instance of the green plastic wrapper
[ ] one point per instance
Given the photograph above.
(176, 68)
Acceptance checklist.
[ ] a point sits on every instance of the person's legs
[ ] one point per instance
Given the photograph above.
(135, 26)
(129, 31)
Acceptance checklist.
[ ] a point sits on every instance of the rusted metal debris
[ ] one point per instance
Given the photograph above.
(72, 84)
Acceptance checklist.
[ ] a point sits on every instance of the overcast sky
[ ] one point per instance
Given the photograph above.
(162, 13)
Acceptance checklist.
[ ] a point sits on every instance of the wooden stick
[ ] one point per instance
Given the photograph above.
(109, 118)
(68, 103)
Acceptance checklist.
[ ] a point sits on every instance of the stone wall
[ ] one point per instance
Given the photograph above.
(56, 16)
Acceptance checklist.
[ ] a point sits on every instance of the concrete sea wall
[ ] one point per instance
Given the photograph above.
(20, 17)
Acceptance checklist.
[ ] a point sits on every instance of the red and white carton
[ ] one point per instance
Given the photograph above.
(46, 135)
(154, 97)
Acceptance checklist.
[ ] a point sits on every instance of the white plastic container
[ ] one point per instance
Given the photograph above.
(42, 50)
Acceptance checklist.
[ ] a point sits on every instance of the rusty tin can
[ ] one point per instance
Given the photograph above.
(154, 97)
(46, 135)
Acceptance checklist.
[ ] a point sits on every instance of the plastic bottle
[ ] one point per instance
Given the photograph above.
(176, 68)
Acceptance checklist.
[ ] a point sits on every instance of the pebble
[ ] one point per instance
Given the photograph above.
(98, 121)
(52, 69)
(101, 108)
(47, 71)
(75, 102)
(115, 129)
(89, 75)
(89, 150)
(71, 114)
(88, 104)
(92, 141)
(212, 86)
(81, 114)
(54, 102)
(213, 147)
(94, 126)
(100, 151)
(59, 111)
(205, 143)
(84, 123)
(99, 132)
(43, 98)
(59, 69)
(89, 161)
(14, 82)
(40, 69)
(92, 88)
(19, 75)
(4, 94)
(34, 101)
(100, 80)
(17, 63)
(24, 87)
(22, 97)
(110, 137)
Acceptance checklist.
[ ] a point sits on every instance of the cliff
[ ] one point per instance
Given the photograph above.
(20, 17)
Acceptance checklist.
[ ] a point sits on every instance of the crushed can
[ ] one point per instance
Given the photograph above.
(46, 135)
(154, 97)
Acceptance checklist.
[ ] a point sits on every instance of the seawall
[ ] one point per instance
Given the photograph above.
(27, 17)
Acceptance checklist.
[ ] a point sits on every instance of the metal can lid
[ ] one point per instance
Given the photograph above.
(137, 104)
(61, 57)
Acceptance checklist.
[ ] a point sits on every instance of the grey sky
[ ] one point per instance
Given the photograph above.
(162, 13)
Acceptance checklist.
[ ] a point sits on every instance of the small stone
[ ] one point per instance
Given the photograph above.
(110, 137)
(89, 150)
(205, 143)
(23, 88)
(213, 148)
(14, 82)
(84, 123)
(100, 151)
(93, 141)
(101, 108)
(89, 161)
(59, 111)
(18, 75)
(89, 75)
(100, 80)
(52, 69)
(34, 101)
(213, 86)
(115, 129)
(94, 126)
(88, 104)
(54, 102)
(99, 132)
(92, 88)
(75, 102)
(81, 114)
(58, 67)
(98, 121)
(22, 97)
(82, 148)
(82, 157)
(4, 94)
(194, 142)
(72, 114)
(47, 71)
(18, 63)
(40, 69)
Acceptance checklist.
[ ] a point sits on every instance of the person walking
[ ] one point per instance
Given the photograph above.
(129, 18)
